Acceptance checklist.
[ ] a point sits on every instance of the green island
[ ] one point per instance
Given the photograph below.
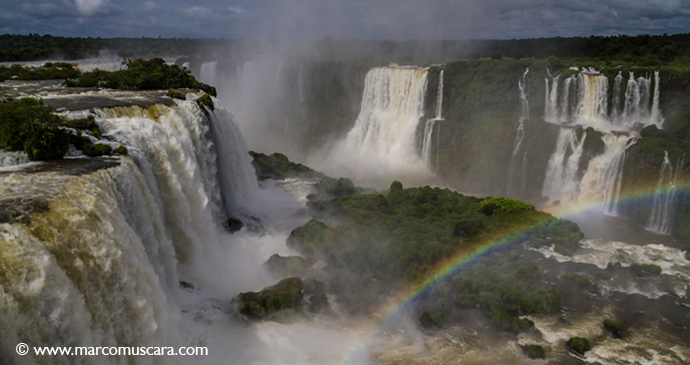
(372, 241)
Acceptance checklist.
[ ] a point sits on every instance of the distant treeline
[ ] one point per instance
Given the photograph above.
(643, 49)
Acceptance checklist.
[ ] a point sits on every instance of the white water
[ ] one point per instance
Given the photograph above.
(427, 152)
(601, 183)
(382, 141)
(208, 73)
(562, 182)
(520, 131)
(439, 97)
(8, 159)
(635, 107)
(665, 197)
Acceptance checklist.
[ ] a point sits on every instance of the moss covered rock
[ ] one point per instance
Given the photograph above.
(533, 351)
(432, 318)
(614, 327)
(579, 345)
(309, 238)
(286, 295)
(282, 266)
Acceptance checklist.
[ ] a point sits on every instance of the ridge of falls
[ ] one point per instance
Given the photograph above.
(584, 101)
(520, 132)
(98, 260)
(665, 197)
(385, 131)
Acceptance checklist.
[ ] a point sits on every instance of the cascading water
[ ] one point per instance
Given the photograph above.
(562, 181)
(661, 217)
(520, 130)
(584, 101)
(208, 72)
(392, 105)
(601, 183)
(439, 97)
(98, 259)
(427, 142)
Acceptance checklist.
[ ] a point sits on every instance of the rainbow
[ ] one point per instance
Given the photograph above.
(403, 299)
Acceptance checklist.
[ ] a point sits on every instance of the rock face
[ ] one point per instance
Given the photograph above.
(286, 295)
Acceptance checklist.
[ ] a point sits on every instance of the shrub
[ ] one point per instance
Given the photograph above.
(96, 150)
(176, 94)
(534, 351)
(30, 126)
(614, 327)
(646, 268)
(603, 275)
(579, 280)
(579, 345)
(122, 150)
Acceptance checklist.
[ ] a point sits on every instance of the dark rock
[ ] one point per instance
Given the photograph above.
(233, 225)
(286, 295)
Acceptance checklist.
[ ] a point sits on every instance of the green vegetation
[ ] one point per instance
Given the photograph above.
(603, 275)
(579, 345)
(580, 280)
(28, 125)
(281, 266)
(614, 327)
(175, 94)
(205, 103)
(431, 318)
(646, 268)
(143, 75)
(98, 149)
(534, 351)
(380, 241)
(309, 238)
(122, 150)
(49, 71)
(286, 295)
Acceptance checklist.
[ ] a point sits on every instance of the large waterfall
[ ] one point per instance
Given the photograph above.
(383, 138)
(585, 100)
(94, 259)
(661, 218)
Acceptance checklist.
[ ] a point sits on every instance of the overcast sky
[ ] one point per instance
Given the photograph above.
(351, 19)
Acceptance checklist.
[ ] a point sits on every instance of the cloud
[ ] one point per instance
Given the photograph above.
(150, 6)
(199, 12)
(236, 9)
(88, 8)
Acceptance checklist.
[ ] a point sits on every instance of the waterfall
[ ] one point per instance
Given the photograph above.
(617, 94)
(655, 115)
(97, 258)
(551, 100)
(562, 181)
(439, 97)
(523, 173)
(592, 103)
(392, 104)
(208, 73)
(666, 193)
(427, 143)
(520, 129)
(602, 180)
(584, 101)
